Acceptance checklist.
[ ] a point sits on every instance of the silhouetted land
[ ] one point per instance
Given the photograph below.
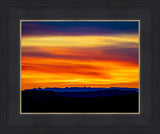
(109, 100)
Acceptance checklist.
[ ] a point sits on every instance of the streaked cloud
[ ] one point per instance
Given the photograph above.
(80, 41)
(83, 60)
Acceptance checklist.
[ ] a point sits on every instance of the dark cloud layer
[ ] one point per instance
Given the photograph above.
(79, 28)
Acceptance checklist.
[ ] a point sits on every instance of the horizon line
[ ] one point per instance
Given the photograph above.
(81, 87)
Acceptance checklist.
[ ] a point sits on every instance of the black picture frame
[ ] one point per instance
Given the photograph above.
(12, 11)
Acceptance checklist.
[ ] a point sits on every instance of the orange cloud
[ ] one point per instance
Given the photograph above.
(80, 61)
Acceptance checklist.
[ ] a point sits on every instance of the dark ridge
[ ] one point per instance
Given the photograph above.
(91, 101)
(81, 89)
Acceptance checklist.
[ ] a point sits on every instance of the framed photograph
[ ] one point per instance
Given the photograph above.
(80, 67)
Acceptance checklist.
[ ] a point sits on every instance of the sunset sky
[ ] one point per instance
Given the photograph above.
(79, 53)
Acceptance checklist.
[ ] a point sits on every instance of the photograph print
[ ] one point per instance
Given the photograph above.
(80, 66)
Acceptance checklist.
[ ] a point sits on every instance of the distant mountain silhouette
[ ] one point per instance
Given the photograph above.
(94, 100)
(82, 89)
